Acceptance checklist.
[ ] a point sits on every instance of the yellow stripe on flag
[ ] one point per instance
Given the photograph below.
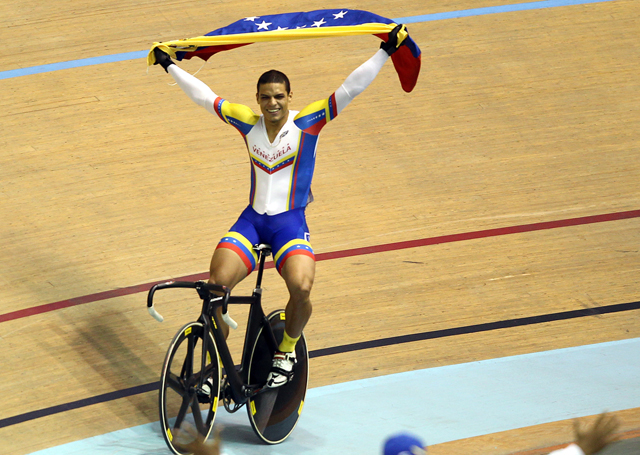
(192, 44)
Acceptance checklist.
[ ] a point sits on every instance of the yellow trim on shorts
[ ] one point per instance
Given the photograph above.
(288, 245)
(242, 239)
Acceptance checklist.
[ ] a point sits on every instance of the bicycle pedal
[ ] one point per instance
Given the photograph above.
(204, 393)
(203, 398)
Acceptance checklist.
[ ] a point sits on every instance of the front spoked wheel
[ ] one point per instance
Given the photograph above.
(274, 413)
(185, 405)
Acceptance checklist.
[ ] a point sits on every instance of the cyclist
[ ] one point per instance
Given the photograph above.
(282, 146)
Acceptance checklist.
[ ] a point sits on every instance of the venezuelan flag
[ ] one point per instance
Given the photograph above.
(302, 25)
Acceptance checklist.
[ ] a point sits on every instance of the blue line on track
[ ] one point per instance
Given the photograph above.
(405, 20)
(73, 64)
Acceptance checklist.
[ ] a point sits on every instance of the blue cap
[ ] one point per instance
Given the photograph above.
(404, 444)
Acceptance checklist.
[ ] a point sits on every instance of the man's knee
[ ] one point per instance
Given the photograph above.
(306, 283)
(301, 290)
(299, 273)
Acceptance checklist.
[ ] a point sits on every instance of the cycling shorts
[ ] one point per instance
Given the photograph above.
(286, 232)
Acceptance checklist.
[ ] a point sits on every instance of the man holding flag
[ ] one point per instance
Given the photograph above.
(282, 147)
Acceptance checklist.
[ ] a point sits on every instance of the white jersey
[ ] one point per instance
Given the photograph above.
(281, 171)
(273, 178)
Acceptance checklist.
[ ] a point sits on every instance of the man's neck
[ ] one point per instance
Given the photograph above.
(274, 128)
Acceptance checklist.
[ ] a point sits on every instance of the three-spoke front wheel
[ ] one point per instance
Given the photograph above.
(188, 393)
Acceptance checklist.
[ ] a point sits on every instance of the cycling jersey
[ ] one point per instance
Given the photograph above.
(281, 171)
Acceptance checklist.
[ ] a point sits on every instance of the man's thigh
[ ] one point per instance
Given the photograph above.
(235, 258)
(227, 268)
(299, 272)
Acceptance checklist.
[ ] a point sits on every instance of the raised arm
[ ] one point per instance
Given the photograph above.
(364, 75)
(195, 89)
(198, 91)
(359, 80)
(312, 118)
(237, 115)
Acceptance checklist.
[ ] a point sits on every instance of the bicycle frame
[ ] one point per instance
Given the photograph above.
(238, 380)
(240, 390)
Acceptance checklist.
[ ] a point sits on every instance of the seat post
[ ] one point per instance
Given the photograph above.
(263, 252)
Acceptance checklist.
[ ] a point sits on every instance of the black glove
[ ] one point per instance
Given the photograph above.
(162, 58)
(392, 44)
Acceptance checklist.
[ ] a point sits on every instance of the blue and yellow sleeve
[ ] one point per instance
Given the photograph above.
(316, 115)
(237, 115)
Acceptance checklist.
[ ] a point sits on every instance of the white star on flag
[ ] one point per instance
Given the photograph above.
(264, 25)
(319, 23)
(340, 15)
(282, 28)
(252, 18)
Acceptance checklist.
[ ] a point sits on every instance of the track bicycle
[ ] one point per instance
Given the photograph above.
(193, 381)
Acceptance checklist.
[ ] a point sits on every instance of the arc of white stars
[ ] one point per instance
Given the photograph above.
(340, 15)
(252, 18)
(264, 25)
(319, 23)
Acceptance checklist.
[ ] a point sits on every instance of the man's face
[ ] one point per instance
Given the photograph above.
(274, 101)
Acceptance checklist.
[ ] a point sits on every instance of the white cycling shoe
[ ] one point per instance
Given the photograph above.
(281, 369)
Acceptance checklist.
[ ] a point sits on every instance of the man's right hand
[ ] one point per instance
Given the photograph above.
(162, 58)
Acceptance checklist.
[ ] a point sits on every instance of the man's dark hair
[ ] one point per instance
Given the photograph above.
(276, 77)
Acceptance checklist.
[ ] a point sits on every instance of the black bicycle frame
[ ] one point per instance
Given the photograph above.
(241, 390)
(237, 379)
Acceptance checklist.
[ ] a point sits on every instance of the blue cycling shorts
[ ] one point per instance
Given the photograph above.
(287, 233)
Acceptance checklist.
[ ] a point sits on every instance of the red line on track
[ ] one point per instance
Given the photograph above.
(336, 255)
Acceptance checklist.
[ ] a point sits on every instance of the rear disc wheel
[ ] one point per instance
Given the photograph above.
(274, 413)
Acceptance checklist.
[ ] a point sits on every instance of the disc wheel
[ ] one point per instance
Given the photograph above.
(274, 413)
(184, 406)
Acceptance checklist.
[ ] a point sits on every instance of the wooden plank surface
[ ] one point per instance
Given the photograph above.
(112, 178)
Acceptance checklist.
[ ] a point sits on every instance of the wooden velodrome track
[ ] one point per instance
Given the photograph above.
(111, 178)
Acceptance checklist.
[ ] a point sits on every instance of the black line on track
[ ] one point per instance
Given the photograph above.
(476, 328)
(465, 330)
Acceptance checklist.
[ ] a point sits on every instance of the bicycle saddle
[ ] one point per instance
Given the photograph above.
(265, 248)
